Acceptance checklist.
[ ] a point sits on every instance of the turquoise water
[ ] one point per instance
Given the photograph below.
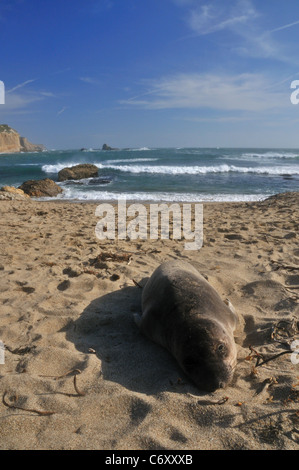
(170, 174)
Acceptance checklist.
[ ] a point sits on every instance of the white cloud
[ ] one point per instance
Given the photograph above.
(90, 80)
(61, 110)
(47, 94)
(223, 119)
(18, 98)
(14, 101)
(243, 92)
(286, 26)
(241, 18)
(21, 85)
(215, 16)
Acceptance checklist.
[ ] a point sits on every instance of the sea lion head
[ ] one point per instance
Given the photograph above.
(208, 355)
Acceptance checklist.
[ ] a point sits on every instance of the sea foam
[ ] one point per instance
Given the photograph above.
(71, 193)
(188, 170)
(195, 170)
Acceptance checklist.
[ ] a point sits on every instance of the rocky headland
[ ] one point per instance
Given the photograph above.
(12, 142)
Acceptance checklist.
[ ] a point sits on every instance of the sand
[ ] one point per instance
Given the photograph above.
(79, 375)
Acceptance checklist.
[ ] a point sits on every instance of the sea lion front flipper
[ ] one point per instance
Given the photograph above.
(239, 333)
(230, 306)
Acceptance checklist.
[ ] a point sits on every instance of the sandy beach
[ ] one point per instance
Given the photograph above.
(79, 375)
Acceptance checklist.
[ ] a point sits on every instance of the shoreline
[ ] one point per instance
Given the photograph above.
(67, 303)
(154, 201)
(115, 202)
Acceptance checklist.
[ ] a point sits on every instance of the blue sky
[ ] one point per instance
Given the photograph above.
(155, 73)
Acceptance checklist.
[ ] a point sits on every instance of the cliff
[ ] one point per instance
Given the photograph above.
(12, 142)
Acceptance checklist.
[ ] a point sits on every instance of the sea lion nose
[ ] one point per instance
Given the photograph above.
(215, 385)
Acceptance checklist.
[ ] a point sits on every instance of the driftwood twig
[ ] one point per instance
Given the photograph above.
(81, 394)
(71, 371)
(33, 410)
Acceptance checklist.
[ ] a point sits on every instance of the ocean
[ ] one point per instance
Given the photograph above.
(163, 174)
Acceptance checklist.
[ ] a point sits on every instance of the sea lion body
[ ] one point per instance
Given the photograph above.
(182, 312)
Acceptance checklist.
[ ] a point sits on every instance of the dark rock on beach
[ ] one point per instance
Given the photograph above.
(78, 172)
(41, 188)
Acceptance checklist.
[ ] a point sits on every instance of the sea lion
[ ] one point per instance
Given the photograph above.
(182, 312)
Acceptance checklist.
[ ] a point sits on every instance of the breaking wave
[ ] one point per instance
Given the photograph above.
(191, 170)
(75, 194)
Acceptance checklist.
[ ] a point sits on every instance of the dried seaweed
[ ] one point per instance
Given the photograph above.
(32, 410)
(285, 331)
(261, 359)
(20, 350)
(110, 256)
(69, 372)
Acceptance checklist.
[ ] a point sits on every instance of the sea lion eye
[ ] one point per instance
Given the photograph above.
(221, 349)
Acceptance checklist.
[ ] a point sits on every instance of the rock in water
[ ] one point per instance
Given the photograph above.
(107, 147)
(41, 188)
(77, 172)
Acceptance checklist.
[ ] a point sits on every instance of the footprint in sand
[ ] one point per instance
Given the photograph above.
(77, 286)
(292, 280)
(268, 293)
(64, 285)
(139, 410)
(28, 290)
